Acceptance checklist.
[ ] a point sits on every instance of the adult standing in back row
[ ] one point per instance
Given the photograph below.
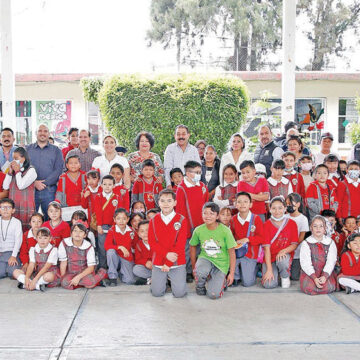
(48, 162)
(179, 153)
(267, 151)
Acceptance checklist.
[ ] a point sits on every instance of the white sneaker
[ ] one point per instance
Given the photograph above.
(285, 282)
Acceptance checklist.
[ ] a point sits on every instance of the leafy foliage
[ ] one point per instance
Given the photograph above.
(213, 107)
(91, 87)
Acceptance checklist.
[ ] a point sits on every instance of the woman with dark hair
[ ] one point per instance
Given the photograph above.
(296, 146)
(210, 166)
(20, 181)
(144, 142)
(236, 153)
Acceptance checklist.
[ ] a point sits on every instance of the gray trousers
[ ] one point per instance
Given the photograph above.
(278, 267)
(295, 269)
(215, 284)
(245, 270)
(5, 269)
(177, 277)
(142, 271)
(187, 255)
(126, 267)
(101, 248)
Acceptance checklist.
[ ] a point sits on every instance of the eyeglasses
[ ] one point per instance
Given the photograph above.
(5, 208)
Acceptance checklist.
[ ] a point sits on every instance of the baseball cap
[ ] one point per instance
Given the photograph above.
(260, 168)
(327, 135)
(121, 149)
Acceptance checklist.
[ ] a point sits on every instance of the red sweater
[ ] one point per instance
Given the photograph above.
(349, 265)
(27, 243)
(327, 203)
(58, 233)
(297, 183)
(256, 236)
(190, 201)
(88, 203)
(71, 189)
(261, 186)
(142, 254)
(124, 197)
(106, 216)
(168, 238)
(288, 235)
(143, 191)
(349, 199)
(115, 239)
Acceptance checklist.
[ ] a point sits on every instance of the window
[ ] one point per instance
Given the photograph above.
(347, 115)
(94, 122)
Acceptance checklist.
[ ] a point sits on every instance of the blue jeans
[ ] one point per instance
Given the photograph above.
(43, 198)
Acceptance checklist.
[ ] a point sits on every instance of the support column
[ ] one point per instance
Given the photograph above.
(7, 74)
(288, 69)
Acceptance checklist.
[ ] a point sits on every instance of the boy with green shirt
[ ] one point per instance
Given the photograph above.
(216, 256)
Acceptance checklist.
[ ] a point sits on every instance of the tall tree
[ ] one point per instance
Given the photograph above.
(329, 20)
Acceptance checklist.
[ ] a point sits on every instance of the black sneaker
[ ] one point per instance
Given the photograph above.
(42, 287)
(235, 283)
(20, 285)
(102, 283)
(348, 290)
(189, 278)
(141, 281)
(201, 291)
(112, 282)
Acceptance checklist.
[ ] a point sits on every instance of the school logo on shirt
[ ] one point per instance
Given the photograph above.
(337, 239)
(114, 202)
(295, 181)
(132, 235)
(211, 247)
(177, 226)
(204, 189)
(150, 197)
(253, 228)
(122, 192)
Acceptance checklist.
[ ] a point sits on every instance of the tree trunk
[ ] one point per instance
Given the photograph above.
(178, 47)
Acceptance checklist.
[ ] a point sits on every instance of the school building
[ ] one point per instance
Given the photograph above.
(324, 102)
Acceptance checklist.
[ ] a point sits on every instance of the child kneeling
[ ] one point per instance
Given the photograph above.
(217, 254)
(77, 261)
(318, 256)
(42, 269)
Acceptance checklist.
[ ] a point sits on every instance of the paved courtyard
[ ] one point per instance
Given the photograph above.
(127, 323)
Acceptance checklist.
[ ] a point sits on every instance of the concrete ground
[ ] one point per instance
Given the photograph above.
(126, 322)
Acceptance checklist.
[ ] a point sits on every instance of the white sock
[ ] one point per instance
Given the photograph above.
(41, 281)
(21, 278)
(351, 283)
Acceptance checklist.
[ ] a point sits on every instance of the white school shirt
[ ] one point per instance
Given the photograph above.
(352, 181)
(104, 165)
(223, 203)
(10, 235)
(243, 221)
(305, 255)
(52, 258)
(303, 225)
(90, 257)
(22, 182)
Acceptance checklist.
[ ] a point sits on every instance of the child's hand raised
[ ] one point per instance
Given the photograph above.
(124, 251)
(87, 194)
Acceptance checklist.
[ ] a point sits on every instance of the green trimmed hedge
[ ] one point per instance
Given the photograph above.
(213, 107)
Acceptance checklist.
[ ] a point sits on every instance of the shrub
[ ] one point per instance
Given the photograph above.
(213, 107)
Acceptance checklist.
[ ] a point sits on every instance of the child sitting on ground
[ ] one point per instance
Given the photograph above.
(77, 261)
(143, 255)
(217, 254)
(350, 264)
(120, 239)
(281, 239)
(317, 259)
(42, 270)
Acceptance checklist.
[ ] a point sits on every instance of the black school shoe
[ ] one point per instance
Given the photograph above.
(112, 282)
(235, 283)
(20, 285)
(102, 283)
(201, 291)
(189, 278)
(42, 287)
(141, 281)
(348, 290)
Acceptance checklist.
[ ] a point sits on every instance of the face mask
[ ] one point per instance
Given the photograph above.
(290, 209)
(278, 219)
(18, 162)
(354, 174)
(196, 178)
(306, 166)
(289, 169)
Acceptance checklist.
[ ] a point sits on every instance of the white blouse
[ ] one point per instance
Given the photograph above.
(104, 165)
(227, 158)
(22, 182)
